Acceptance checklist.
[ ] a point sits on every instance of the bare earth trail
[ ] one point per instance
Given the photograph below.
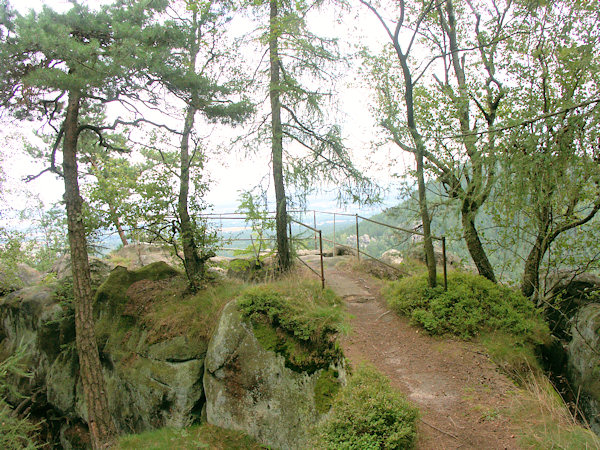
(459, 392)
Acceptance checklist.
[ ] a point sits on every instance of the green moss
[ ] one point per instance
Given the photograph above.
(113, 292)
(297, 321)
(326, 388)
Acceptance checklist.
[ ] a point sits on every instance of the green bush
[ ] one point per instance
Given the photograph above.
(368, 414)
(472, 305)
(298, 320)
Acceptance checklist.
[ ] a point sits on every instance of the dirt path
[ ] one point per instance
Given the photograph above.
(459, 392)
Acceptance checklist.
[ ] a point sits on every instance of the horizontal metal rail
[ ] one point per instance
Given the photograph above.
(398, 228)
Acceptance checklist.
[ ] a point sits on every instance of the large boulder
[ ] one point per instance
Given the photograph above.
(153, 377)
(99, 268)
(584, 361)
(17, 276)
(392, 256)
(136, 256)
(250, 389)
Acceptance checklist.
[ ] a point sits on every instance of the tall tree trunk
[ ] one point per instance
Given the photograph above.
(283, 248)
(474, 245)
(100, 423)
(426, 220)
(419, 153)
(194, 266)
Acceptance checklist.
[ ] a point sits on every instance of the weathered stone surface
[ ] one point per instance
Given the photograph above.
(150, 384)
(99, 268)
(392, 256)
(15, 277)
(584, 360)
(250, 389)
(135, 256)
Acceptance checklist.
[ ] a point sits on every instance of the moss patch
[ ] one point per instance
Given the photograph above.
(326, 388)
(298, 321)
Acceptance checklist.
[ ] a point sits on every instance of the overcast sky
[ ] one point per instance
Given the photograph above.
(234, 173)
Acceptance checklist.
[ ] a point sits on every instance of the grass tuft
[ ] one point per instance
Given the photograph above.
(203, 436)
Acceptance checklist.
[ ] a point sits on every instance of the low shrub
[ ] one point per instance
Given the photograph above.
(368, 414)
(471, 306)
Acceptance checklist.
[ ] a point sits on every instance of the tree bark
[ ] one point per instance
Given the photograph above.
(100, 423)
(474, 245)
(194, 266)
(283, 248)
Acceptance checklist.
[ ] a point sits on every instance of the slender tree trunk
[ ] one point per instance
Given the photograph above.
(100, 423)
(474, 245)
(283, 248)
(426, 220)
(120, 230)
(194, 266)
(419, 153)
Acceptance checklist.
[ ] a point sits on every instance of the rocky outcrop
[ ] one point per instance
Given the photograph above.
(392, 256)
(250, 389)
(17, 276)
(99, 268)
(584, 360)
(152, 380)
(136, 256)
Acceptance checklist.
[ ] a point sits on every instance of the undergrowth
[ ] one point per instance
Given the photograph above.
(544, 421)
(471, 305)
(298, 320)
(368, 414)
(199, 436)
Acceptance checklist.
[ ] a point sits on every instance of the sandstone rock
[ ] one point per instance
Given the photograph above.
(99, 268)
(584, 360)
(136, 256)
(392, 256)
(150, 383)
(249, 389)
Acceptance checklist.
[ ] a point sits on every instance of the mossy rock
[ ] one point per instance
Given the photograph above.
(249, 388)
(112, 294)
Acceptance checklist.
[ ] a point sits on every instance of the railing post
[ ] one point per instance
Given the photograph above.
(333, 234)
(357, 240)
(444, 260)
(321, 252)
(315, 226)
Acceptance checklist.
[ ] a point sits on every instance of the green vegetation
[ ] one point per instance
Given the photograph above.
(368, 414)
(198, 436)
(471, 306)
(326, 388)
(297, 320)
(156, 297)
(545, 421)
(15, 432)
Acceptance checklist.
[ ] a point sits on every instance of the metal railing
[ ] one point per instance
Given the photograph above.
(320, 248)
(318, 237)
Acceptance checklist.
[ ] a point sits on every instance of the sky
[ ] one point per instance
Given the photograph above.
(235, 172)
